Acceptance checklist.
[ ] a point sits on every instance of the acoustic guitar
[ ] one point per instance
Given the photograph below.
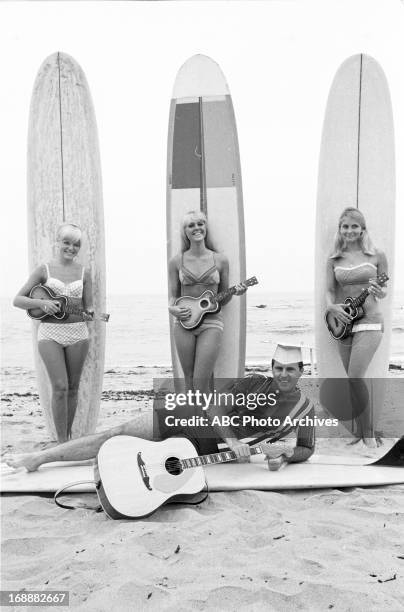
(134, 477)
(207, 302)
(66, 306)
(353, 306)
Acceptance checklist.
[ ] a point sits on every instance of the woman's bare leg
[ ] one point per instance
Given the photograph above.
(53, 357)
(75, 356)
(185, 342)
(206, 353)
(86, 447)
(344, 349)
(364, 346)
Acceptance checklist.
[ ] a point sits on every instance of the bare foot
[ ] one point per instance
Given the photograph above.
(355, 441)
(370, 442)
(29, 461)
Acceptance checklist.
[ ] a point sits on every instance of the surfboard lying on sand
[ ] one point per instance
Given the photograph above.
(357, 168)
(64, 184)
(203, 173)
(321, 471)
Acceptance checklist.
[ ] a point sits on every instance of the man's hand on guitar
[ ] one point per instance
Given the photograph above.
(242, 450)
(180, 312)
(339, 312)
(49, 306)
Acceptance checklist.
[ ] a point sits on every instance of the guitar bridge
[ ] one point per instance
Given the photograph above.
(142, 469)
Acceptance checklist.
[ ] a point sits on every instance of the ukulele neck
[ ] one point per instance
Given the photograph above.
(360, 300)
(72, 308)
(222, 295)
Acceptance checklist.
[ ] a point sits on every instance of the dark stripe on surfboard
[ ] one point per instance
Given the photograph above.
(203, 197)
(221, 168)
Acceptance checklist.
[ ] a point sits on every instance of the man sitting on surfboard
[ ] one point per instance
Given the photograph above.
(287, 367)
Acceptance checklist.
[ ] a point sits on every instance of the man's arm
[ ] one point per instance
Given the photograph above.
(305, 441)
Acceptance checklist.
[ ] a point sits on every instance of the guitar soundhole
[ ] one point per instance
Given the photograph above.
(173, 466)
(204, 303)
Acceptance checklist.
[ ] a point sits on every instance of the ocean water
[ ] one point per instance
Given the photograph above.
(138, 335)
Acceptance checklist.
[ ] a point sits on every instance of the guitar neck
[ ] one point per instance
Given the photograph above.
(214, 458)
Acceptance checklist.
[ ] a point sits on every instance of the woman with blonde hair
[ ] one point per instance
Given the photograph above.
(355, 263)
(196, 268)
(62, 344)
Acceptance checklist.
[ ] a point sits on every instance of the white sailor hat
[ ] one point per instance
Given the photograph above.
(287, 354)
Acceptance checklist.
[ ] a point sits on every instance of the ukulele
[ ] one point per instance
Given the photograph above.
(353, 306)
(207, 302)
(66, 306)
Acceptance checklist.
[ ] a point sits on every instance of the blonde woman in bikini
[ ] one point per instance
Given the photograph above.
(63, 345)
(196, 268)
(354, 264)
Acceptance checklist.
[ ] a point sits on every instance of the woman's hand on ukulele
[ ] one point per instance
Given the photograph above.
(49, 306)
(338, 311)
(240, 289)
(180, 312)
(88, 314)
(376, 290)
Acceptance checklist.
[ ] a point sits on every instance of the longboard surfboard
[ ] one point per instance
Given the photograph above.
(321, 471)
(203, 157)
(64, 185)
(357, 168)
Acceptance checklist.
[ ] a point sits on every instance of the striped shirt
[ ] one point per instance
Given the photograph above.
(288, 407)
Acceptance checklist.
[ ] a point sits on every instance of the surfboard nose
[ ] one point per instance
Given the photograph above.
(200, 76)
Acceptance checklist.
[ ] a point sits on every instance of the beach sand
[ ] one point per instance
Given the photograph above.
(329, 549)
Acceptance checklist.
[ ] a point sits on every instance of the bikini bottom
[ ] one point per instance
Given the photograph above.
(64, 334)
(210, 321)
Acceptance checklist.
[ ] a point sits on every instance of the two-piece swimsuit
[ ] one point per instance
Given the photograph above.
(208, 280)
(64, 334)
(360, 275)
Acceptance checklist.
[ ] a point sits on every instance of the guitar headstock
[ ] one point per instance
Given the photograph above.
(251, 281)
(382, 279)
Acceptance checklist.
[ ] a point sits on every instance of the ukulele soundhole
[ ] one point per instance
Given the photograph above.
(204, 304)
(173, 466)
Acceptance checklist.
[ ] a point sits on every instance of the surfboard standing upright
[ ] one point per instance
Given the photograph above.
(357, 168)
(203, 173)
(64, 184)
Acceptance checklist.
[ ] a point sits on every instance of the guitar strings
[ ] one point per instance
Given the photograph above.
(177, 461)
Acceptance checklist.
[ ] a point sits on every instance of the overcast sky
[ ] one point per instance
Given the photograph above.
(279, 59)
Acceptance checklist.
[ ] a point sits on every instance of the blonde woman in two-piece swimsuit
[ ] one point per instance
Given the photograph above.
(197, 268)
(63, 345)
(354, 264)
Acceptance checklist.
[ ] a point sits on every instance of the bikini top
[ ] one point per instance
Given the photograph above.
(208, 278)
(355, 275)
(73, 289)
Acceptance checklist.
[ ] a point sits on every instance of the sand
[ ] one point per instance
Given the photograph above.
(327, 549)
